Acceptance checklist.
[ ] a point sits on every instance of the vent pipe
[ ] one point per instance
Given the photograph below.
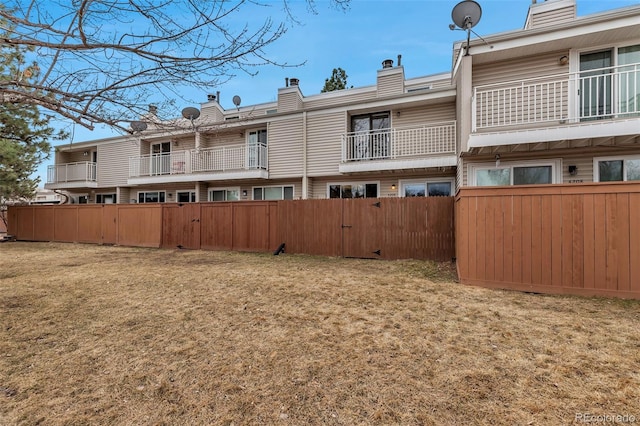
(286, 82)
(399, 59)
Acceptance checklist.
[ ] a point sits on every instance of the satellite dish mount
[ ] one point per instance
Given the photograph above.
(466, 15)
(191, 113)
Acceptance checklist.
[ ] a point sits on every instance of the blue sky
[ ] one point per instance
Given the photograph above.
(357, 40)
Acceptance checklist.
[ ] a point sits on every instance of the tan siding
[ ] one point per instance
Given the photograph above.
(184, 144)
(324, 143)
(223, 139)
(349, 97)
(519, 69)
(553, 17)
(422, 115)
(124, 196)
(390, 84)
(113, 162)
(319, 186)
(211, 114)
(289, 101)
(284, 139)
(435, 84)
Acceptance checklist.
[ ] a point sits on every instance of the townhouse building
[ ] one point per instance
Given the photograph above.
(555, 102)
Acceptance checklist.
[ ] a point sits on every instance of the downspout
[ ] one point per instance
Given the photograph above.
(305, 180)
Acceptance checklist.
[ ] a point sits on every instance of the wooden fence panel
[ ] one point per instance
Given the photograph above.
(43, 223)
(66, 224)
(420, 228)
(181, 226)
(311, 226)
(140, 225)
(216, 226)
(578, 239)
(90, 224)
(109, 224)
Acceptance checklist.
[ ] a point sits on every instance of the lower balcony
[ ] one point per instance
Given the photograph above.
(72, 175)
(218, 163)
(429, 145)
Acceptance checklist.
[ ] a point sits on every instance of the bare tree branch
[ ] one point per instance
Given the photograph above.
(101, 61)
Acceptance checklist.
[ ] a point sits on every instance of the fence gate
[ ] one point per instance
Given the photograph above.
(362, 233)
(181, 226)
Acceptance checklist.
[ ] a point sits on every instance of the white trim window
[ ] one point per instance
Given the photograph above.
(426, 188)
(109, 198)
(224, 194)
(353, 190)
(151, 196)
(186, 196)
(616, 169)
(273, 192)
(515, 173)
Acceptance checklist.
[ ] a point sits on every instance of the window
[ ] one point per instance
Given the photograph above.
(525, 173)
(151, 197)
(106, 198)
(609, 83)
(273, 193)
(224, 194)
(160, 158)
(257, 149)
(353, 190)
(616, 169)
(370, 138)
(186, 196)
(428, 188)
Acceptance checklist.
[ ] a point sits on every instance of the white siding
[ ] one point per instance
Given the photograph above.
(284, 141)
(324, 142)
(211, 140)
(113, 162)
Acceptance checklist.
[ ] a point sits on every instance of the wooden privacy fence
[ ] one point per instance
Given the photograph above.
(577, 239)
(394, 228)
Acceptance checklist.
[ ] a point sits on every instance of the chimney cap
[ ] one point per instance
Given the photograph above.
(294, 81)
(387, 63)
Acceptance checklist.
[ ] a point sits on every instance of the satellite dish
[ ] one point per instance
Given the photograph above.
(236, 101)
(191, 113)
(138, 126)
(466, 14)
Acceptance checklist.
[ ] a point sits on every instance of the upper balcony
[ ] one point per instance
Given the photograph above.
(602, 102)
(428, 145)
(218, 163)
(72, 175)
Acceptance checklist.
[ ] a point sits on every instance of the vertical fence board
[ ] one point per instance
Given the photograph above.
(567, 240)
(536, 240)
(140, 225)
(600, 243)
(611, 223)
(634, 242)
(66, 224)
(43, 223)
(507, 224)
(589, 241)
(577, 248)
(546, 240)
(622, 241)
(109, 223)
(556, 241)
(90, 224)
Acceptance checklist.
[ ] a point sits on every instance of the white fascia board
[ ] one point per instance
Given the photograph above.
(71, 185)
(400, 164)
(550, 134)
(523, 38)
(198, 177)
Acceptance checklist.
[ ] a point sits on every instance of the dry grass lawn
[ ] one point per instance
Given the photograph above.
(115, 335)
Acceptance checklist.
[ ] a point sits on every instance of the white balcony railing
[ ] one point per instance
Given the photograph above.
(612, 92)
(84, 171)
(218, 159)
(392, 143)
